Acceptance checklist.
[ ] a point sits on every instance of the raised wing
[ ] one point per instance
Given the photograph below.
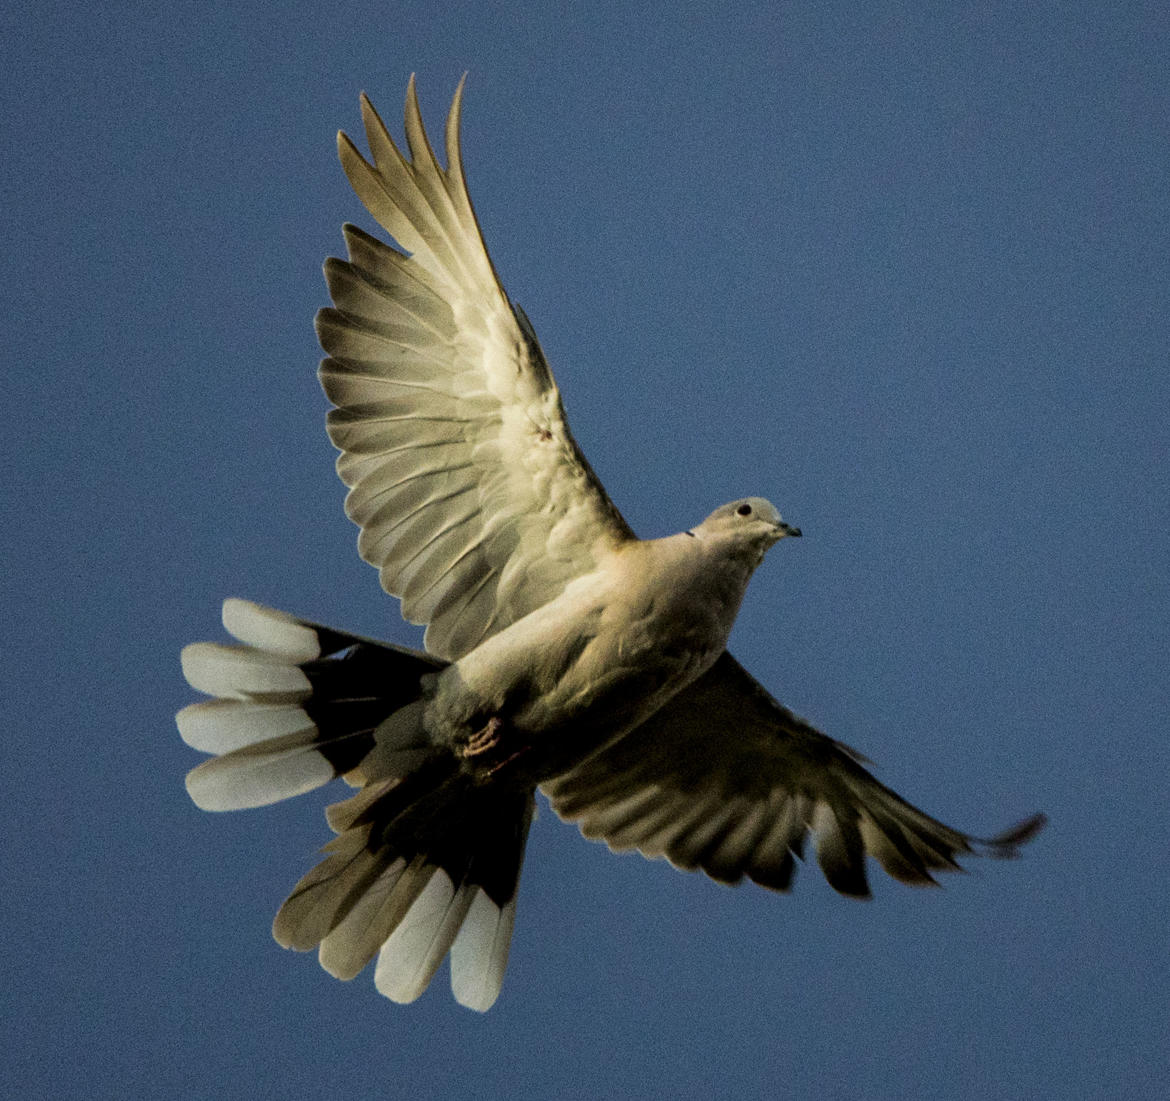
(725, 779)
(474, 500)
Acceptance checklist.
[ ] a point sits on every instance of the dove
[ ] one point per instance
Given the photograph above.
(561, 652)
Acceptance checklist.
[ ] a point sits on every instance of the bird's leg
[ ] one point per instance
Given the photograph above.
(485, 739)
(488, 741)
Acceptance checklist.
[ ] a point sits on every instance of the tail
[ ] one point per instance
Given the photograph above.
(426, 861)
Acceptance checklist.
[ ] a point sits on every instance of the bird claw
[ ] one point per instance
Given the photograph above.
(487, 742)
(484, 740)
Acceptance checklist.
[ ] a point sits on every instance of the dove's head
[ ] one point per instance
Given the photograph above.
(750, 522)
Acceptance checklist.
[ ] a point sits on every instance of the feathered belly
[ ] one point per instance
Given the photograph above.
(557, 686)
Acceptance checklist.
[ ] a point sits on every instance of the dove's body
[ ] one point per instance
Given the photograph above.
(590, 665)
(562, 651)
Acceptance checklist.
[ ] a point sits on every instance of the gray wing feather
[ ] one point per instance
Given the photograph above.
(475, 502)
(725, 779)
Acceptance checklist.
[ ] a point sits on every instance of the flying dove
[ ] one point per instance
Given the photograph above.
(561, 652)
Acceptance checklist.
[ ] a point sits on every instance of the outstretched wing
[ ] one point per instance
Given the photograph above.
(474, 500)
(725, 779)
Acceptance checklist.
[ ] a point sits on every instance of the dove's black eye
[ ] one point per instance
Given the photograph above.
(744, 510)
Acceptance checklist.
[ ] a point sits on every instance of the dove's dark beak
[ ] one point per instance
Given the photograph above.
(788, 530)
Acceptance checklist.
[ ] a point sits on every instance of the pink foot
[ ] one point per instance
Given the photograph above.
(485, 740)
(488, 743)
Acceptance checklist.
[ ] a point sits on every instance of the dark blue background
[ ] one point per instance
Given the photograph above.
(901, 268)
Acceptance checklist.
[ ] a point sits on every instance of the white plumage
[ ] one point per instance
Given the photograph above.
(239, 672)
(221, 726)
(259, 774)
(479, 954)
(270, 631)
(413, 952)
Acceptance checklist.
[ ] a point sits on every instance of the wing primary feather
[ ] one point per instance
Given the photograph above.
(427, 173)
(885, 840)
(1005, 845)
(728, 859)
(839, 851)
(451, 140)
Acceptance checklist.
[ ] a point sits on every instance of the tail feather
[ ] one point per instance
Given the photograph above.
(260, 774)
(221, 726)
(297, 705)
(326, 894)
(479, 955)
(271, 631)
(412, 954)
(341, 816)
(355, 940)
(479, 951)
(240, 672)
(410, 913)
(419, 863)
(426, 862)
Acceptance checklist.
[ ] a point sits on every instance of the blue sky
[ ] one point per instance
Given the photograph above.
(903, 269)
